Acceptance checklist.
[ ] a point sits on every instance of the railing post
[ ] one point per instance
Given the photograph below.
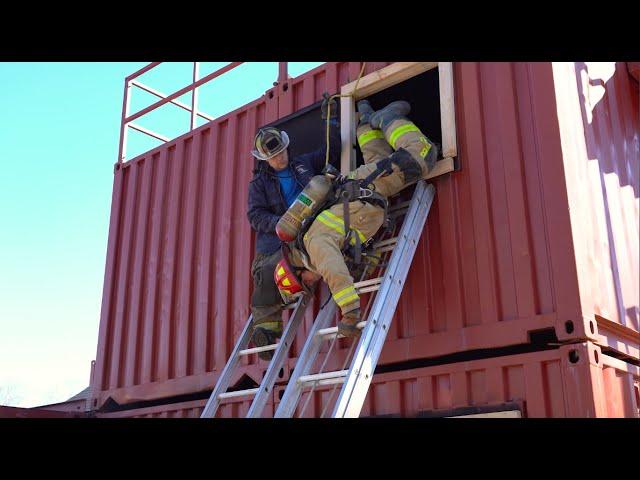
(88, 405)
(282, 72)
(194, 96)
(122, 151)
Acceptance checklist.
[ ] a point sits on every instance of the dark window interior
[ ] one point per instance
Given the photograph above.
(307, 131)
(423, 93)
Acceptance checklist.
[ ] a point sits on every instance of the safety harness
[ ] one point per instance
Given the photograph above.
(346, 190)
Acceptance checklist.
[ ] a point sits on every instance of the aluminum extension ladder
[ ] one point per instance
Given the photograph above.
(281, 349)
(355, 380)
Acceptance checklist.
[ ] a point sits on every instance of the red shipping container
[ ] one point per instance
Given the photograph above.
(572, 381)
(18, 412)
(518, 240)
(232, 408)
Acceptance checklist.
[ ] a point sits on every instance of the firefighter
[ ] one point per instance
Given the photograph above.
(277, 181)
(396, 154)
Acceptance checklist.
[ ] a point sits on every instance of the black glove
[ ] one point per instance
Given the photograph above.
(325, 103)
(331, 170)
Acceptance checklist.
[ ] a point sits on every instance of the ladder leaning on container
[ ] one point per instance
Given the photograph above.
(385, 287)
(355, 380)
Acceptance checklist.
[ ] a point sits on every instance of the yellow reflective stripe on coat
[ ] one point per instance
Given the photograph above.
(368, 136)
(398, 132)
(346, 296)
(337, 224)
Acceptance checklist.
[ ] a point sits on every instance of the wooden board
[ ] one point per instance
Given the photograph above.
(386, 77)
(447, 110)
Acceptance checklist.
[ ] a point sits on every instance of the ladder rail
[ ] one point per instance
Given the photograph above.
(356, 384)
(356, 380)
(319, 333)
(307, 357)
(279, 357)
(240, 350)
(224, 380)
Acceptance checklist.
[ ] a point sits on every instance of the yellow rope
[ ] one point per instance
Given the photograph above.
(352, 94)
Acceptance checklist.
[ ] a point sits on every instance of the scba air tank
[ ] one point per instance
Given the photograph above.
(306, 204)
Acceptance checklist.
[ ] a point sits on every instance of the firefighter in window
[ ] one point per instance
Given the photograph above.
(336, 216)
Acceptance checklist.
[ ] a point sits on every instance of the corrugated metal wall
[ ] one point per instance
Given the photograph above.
(228, 409)
(600, 129)
(176, 288)
(573, 381)
(496, 260)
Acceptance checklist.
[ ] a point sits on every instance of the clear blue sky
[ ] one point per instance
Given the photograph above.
(59, 131)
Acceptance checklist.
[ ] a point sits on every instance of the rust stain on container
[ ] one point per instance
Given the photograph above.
(498, 258)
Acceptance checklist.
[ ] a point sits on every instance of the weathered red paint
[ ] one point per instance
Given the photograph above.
(600, 132)
(498, 258)
(18, 412)
(232, 408)
(572, 381)
(543, 384)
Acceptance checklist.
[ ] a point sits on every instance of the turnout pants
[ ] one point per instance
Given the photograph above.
(376, 145)
(266, 302)
(326, 236)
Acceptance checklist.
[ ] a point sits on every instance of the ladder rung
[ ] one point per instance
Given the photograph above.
(384, 243)
(366, 283)
(397, 213)
(323, 376)
(266, 348)
(400, 205)
(239, 393)
(334, 330)
(368, 289)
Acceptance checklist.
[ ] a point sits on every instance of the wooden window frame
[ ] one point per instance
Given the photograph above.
(387, 77)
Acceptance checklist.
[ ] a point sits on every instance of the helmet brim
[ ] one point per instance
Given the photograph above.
(285, 144)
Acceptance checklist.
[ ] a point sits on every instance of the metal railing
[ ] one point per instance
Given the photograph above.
(127, 120)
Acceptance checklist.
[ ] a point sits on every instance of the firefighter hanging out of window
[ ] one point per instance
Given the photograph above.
(277, 182)
(343, 220)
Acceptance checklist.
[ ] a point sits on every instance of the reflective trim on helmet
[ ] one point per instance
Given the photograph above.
(285, 279)
(398, 132)
(368, 136)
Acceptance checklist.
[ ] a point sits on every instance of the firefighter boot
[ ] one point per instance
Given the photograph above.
(347, 326)
(265, 336)
(365, 111)
(382, 118)
(372, 143)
